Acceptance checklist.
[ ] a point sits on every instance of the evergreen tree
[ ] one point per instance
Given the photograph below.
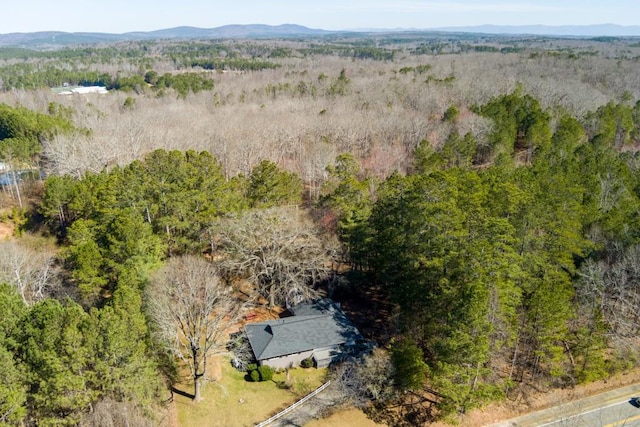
(13, 390)
(349, 195)
(54, 353)
(268, 186)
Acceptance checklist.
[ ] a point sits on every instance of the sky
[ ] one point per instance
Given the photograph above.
(120, 16)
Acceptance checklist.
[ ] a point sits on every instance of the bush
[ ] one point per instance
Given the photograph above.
(266, 373)
(285, 385)
(251, 367)
(307, 363)
(254, 375)
(451, 115)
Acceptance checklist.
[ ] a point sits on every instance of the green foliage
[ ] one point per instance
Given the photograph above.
(60, 110)
(340, 85)
(458, 151)
(53, 351)
(348, 194)
(13, 308)
(20, 149)
(307, 363)
(129, 103)
(269, 186)
(234, 64)
(182, 83)
(13, 393)
(57, 361)
(181, 194)
(479, 262)
(116, 243)
(519, 124)
(266, 372)
(84, 258)
(613, 123)
(59, 192)
(117, 336)
(425, 158)
(151, 77)
(133, 83)
(259, 373)
(437, 249)
(464, 388)
(22, 131)
(174, 195)
(410, 370)
(451, 114)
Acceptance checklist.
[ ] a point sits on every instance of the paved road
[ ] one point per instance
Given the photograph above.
(610, 409)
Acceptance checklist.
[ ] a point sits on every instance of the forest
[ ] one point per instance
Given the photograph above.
(485, 188)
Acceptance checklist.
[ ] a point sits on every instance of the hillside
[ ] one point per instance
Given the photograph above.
(57, 39)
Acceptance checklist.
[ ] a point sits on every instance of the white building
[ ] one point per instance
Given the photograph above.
(82, 90)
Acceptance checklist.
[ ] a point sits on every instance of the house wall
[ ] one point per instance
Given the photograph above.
(287, 361)
(325, 362)
(295, 359)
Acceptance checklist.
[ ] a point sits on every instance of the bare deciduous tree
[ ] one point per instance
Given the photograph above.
(193, 311)
(110, 413)
(30, 271)
(366, 379)
(610, 289)
(279, 250)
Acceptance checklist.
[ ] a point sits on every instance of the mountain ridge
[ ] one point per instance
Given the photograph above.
(61, 38)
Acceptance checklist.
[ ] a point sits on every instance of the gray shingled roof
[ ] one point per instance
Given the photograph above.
(315, 326)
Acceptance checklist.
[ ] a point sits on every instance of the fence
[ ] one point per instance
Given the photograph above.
(294, 406)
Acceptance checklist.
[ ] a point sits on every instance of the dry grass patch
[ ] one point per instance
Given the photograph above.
(347, 417)
(6, 231)
(232, 401)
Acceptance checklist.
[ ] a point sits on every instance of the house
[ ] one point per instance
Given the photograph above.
(318, 330)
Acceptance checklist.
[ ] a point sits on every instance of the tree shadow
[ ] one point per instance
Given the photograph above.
(182, 393)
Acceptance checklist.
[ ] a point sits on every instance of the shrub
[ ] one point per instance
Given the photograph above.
(451, 114)
(266, 373)
(252, 367)
(254, 375)
(307, 363)
(285, 385)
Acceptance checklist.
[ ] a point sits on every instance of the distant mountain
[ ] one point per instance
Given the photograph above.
(58, 38)
(607, 30)
(54, 39)
(231, 31)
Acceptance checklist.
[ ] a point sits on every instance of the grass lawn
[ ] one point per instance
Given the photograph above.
(233, 402)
